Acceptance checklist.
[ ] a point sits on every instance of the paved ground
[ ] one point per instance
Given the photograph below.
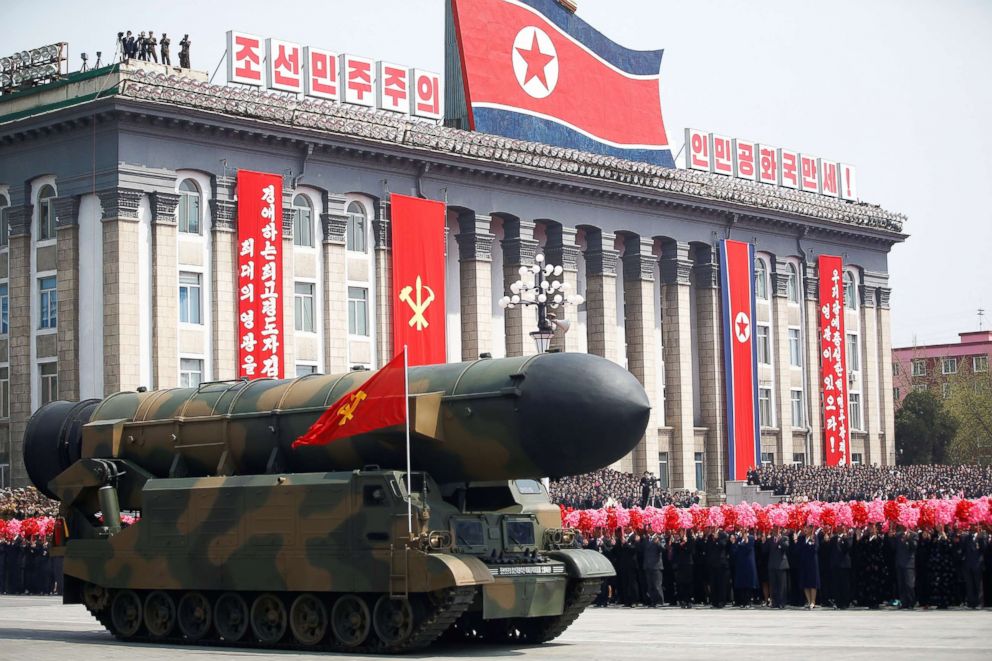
(41, 629)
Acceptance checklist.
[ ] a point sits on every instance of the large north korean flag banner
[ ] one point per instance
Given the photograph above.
(260, 301)
(740, 358)
(418, 278)
(833, 363)
(534, 71)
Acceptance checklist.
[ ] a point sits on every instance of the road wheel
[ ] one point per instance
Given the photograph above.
(160, 614)
(350, 620)
(268, 618)
(231, 616)
(125, 613)
(393, 620)
(95, 597)
(308, 619)
(194, 615)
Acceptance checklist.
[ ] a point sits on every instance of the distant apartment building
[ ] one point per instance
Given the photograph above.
(934, 367)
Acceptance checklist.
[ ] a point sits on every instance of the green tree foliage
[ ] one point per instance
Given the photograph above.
(924, 430)
(970, 403)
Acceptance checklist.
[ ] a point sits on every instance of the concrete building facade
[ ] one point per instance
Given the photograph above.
(117, 268)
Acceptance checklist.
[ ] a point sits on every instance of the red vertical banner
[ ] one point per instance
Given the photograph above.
(833, 363)
(740, 358)
(418, 278)
(260, 301)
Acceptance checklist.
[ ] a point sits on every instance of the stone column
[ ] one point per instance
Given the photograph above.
(561, 250)
(335, 299)
(814, 405)
(709, 339)
(676, 334)
(783, 369)
(601, 293)
(224, 287)
(165, 291)
(870, 395)
(638, 291)
(19, 342)
(288, 290)
(519, 249)
(383, 315)
(888, 419)
(122, 362)
(67, 283)
(475, 276)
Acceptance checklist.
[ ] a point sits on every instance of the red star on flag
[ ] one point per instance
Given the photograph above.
(536, 62)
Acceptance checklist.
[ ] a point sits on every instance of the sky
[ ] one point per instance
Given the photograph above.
(900, 88)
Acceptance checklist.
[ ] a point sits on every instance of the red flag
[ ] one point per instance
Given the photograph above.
(377, 403)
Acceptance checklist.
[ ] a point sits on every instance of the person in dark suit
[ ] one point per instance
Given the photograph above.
(871, 571)
(718, 566)
(682, 554)
(745, 568)
(627, 570)
(904, 544)
(809, 565)
(778, 567)
(972, 547)
(652, 564)
(840, 568)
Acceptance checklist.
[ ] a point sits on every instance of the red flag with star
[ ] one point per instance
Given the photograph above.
(377, 403)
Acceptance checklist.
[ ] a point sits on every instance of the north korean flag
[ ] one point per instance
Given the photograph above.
(534, 71)
(740, 358)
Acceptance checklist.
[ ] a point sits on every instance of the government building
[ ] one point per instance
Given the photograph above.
(118, 259)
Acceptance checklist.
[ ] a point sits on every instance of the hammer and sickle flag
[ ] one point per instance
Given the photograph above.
(377, 403)
(418, 278)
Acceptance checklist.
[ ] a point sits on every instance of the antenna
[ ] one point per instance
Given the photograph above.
(981, 318)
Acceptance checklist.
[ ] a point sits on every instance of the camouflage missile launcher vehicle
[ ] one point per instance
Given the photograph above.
(242, 540)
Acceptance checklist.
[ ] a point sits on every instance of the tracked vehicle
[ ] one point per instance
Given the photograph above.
(241, 540)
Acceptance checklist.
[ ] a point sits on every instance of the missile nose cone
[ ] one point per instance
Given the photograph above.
(580, 412)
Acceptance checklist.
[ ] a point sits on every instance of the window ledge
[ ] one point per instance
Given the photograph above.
(46, 331)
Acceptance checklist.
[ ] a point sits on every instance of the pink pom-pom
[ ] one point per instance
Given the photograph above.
(715, 517)
(876, 511)
(572, 519)
(779, 516)
(746, 516)
(685, 519)
(623, 516)
(909, 516)
(845, 515)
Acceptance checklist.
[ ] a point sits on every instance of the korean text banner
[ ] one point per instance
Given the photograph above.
(260, 302)
(418, 278)
(534, 71)
(833, 363)
(740, 358)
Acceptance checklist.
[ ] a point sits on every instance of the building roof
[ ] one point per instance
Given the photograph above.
(972, 343)
(193, 92)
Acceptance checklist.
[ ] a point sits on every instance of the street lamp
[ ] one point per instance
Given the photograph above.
(546, 292)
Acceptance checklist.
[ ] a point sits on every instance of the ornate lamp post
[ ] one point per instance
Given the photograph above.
(546, 292)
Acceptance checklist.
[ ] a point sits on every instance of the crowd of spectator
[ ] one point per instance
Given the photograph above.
(843, 483)
(607, 487)
(26, 503)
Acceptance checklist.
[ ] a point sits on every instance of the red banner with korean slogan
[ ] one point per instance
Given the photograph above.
(260, 301)
(740, 358)
(833, 363)
(418, 278)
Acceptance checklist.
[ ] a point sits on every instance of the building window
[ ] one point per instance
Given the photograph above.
(49, 373)
(189, 207)
(798, 410)
(765, 407)
(357, 227)
(945, 390)
(304, 307)
(795, 348)
(919, 368)
(358, 311)
(190, 372)
(303, 222)
(4, 392)
(980, 364)
(767, 458)
(4, 223)
(48, 304)
(798, 459)
(857, 458)
(853, 355)
(792, 283)
(4, 310)
(46, 216)
(760, 279)
(305, 370)
(850, 302)
(920, 387)
(700, 482)
(663, 470)
(854, 404)
(949, 366)
(895, 369)
(189, 298)
(896, 393)
(764, 346)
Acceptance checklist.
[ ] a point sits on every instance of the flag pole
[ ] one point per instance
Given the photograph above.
(409, 476)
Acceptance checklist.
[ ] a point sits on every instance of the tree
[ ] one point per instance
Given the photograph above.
(924, 430)
(970, 403)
